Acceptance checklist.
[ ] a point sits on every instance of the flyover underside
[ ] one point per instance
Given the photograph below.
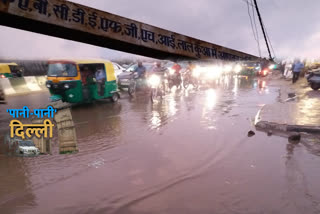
(80, 36)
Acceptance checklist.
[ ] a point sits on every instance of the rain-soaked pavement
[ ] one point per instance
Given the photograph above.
(189, 153)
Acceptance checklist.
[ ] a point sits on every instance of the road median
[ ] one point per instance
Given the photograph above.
(23, 85)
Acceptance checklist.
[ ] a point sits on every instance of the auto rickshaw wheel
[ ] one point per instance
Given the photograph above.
(186, 83)
(115, 97)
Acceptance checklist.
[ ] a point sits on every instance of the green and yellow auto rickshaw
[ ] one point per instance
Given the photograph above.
(81, 81)
(9, 70)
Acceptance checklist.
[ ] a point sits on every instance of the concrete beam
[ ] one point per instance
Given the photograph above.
(80, 23)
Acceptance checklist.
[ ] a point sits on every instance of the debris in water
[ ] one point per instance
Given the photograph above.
(251, 133)
(291, 95)
(294, 138)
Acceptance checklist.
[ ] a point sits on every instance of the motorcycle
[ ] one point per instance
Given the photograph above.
(191, 77)
(157, 86)
(263, 72)
(131, 81)
(314, 79)
(173, 78)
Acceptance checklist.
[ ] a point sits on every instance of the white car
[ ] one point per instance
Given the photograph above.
(26, 147)
(118, 69)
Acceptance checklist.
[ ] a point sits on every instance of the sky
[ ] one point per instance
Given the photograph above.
(293, 27)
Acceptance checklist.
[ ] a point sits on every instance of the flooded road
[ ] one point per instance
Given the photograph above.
(189, 153)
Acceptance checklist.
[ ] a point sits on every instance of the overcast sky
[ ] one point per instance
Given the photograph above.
(293, 27)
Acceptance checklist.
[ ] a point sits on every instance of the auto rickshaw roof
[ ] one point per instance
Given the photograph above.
(11, 63)
(5, 69)
(81, 61)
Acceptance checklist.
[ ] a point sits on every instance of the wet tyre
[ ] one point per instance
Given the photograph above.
(315, 86)
(132, 89)
(195, 84)
(154, 94)
(115, 97)
(186, 83)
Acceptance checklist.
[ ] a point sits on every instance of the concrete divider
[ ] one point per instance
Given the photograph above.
(6, 86)
(23, 85)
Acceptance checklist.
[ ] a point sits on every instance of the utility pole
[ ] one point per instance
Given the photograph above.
(264, 33)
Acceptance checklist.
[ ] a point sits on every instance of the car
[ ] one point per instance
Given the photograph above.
(21, 147)
(127, 76)
(118, 69)
(27, 147)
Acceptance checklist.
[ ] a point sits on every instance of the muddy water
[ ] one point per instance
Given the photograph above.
(187, 154)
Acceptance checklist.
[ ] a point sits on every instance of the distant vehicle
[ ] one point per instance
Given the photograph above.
(10, 70)
(2, 96)
(118, 69)
(78, 81)
(250, 68)
(264, 72)
(128, 79)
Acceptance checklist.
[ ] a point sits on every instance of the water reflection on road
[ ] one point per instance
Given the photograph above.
(188, 153)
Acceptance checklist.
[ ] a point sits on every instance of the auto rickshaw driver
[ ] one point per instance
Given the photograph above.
(101, 79)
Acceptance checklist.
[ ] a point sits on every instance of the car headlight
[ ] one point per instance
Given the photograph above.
(211, 75)
(154, 80)
(238, 69)
(48, 86)
(271, 67)
(227, 68)
(196, 73)
(66, 86)
(171, 71)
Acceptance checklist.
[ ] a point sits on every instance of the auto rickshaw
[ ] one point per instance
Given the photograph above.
(9, 70)
(81, 81)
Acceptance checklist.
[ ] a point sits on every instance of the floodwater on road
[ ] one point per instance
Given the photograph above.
(189, 153)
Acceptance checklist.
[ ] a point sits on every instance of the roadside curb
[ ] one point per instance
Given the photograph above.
(275, 116)
(265, 125)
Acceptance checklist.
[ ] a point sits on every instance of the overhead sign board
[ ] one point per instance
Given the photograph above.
(85, 24)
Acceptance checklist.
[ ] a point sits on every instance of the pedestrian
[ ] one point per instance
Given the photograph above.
(297, 68)
(283, 67)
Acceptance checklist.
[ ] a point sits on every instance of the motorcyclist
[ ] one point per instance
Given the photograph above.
(176, 69)
(157, 68)
(191, 66)
(141, 70)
